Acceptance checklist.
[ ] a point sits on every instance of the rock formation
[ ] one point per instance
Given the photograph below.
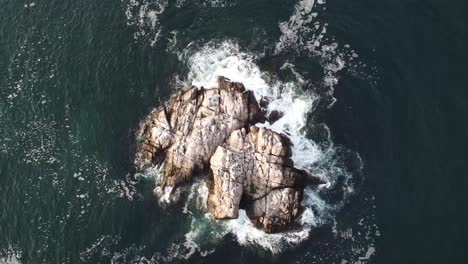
(195, 123)
(256, 167)
(250, 167)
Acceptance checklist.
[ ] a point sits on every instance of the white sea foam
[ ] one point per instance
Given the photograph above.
(296, 31)
(11, 256)
(247, 234)
(227, 59)
(207, 3)
(144, 16)
(165, 195)
(302, 32)
(12, 259)
(197, 197)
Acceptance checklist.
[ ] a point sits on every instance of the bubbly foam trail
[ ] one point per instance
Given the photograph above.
(305, 33)
(10, 256)
(144, 16)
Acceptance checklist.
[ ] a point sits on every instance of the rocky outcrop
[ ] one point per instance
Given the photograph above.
(212, 130)
(196, 121)
(256, 167)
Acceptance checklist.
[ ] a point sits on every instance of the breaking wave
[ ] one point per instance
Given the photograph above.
(317, 154)
(227, 59)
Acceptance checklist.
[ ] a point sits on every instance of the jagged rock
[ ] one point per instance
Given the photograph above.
(276, 210)
(250, 167)
(256, 167)
(274, 116)
(195, 123)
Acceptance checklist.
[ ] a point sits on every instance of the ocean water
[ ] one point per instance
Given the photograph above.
(374, 101)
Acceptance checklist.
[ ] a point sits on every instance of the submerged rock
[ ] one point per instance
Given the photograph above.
(212, 129)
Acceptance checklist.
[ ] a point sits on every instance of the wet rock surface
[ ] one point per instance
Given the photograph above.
(212, 130)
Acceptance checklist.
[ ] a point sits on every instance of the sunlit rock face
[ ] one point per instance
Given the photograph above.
(255, 167)
(213, 130)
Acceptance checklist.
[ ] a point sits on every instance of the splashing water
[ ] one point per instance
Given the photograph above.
(226, 59)
(10, 256)
(301, 33)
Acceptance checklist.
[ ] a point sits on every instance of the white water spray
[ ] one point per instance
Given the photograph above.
(227, 59)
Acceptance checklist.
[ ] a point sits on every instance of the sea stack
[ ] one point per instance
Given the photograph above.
(213, 131)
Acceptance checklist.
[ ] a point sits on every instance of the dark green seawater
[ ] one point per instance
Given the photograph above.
(76, 77)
